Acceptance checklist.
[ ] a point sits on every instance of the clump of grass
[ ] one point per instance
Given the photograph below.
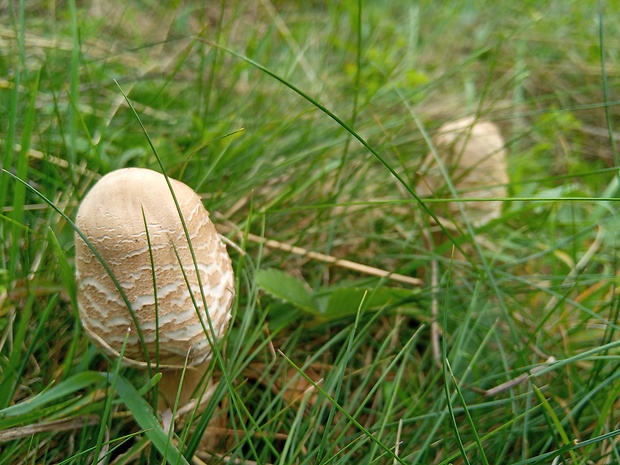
(307, 124)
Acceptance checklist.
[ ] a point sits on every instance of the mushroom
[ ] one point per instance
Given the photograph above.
(473, 155)
(182, 307)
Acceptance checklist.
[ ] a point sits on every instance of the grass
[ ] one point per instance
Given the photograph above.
(307, 124)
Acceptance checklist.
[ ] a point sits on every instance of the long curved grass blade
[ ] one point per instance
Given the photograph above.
(208, 325)
(97, 255)
(389, 452)
(347, 128)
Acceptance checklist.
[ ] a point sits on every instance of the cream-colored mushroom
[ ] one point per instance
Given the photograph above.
(474, 156)
(124, 212)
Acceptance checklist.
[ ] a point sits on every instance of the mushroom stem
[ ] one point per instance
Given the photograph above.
(194, 387)
(182, 382)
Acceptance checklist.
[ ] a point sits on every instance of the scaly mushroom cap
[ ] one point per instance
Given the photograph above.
(111, 217)
(474, 156)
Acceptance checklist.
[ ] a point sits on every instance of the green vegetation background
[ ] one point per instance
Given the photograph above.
(306, 123)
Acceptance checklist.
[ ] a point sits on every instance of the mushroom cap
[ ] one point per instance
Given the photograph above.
(112, 216)
(474, 155)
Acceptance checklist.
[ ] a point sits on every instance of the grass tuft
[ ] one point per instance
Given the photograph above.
(304, 127)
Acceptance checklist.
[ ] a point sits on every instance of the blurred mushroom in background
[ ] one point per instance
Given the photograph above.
(472, 154)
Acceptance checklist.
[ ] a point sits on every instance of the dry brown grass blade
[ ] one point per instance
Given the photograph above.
(518, 380)
(61, 163)
(580, 266)
(55, 426)
(342, 263)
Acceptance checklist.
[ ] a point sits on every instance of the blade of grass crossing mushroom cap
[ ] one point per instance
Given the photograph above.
(185, 232)
(239, 405)
(101, 260)
(208, 334)
(155, 303)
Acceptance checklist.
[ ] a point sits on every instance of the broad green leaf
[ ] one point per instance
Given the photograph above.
(288, 288)
(282, 314)
(329, 303)
(345, 301)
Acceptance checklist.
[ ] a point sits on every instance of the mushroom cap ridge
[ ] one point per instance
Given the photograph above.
(111, 217)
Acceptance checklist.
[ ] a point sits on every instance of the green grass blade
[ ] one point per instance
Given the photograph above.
(66, 387)
(470, 420)
(556, 423)
(105, 416)
(353, 421)
(605, 81)
(97, 255)
(68, 281)
(445, 370)
(14, 368)
(143, 414)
